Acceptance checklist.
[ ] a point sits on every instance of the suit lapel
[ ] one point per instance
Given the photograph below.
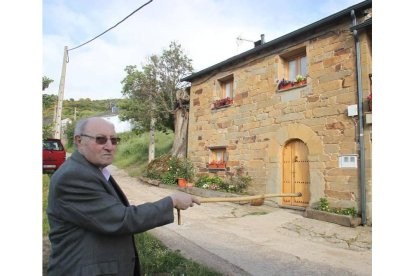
(110, 185)
(118, 191)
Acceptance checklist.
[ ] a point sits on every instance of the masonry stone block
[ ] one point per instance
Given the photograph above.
(331, 148)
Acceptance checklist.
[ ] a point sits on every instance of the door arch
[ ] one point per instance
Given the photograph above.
(296, 176)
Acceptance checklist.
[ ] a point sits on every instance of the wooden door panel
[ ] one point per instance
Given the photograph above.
(296, 173)
(287, 175)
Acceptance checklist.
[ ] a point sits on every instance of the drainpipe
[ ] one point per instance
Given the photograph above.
(360, 122)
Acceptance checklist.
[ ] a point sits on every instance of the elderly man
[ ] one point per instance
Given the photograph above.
(91, 222)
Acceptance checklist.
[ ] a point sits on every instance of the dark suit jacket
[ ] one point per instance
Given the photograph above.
(92, 224)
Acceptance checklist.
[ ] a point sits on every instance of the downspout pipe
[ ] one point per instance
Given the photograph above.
(360, 121)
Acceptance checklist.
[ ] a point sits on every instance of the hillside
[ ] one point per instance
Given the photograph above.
(83, 107)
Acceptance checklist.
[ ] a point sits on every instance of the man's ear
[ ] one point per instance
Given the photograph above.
(77, 139)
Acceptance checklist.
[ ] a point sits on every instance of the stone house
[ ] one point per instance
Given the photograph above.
(312, 136)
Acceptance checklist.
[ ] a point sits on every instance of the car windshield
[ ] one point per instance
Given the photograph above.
(52, 145)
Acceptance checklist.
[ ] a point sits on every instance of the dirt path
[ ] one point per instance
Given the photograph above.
(256, 240)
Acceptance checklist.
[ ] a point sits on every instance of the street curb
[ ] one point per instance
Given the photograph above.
(192, 251)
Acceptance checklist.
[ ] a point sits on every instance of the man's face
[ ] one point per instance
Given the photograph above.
(99, 155)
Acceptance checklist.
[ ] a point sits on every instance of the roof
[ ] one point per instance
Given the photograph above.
(271, 44)
(363, 25)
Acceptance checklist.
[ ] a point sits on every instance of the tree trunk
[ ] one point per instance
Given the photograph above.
(151, 146)
(179, 148)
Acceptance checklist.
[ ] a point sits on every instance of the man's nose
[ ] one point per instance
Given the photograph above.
(109, 145)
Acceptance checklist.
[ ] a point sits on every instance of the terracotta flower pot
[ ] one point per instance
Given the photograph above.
(182, 182)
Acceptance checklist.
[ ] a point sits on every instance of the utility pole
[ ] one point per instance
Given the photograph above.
(58, 123)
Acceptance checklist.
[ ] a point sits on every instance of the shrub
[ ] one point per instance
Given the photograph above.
(168, 168)
(323, 205)
(158, 167)
(236, 183)
(209, 182)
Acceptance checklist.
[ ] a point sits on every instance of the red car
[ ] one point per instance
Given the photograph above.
(54, 155)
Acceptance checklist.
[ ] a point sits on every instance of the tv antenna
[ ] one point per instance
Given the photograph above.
(239, 40)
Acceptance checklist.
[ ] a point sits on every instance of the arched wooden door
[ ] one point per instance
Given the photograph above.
(296, 173)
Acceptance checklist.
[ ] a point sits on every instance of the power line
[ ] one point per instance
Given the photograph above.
(111, 27)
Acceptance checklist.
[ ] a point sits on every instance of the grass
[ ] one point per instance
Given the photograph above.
(155, 258)
(45, 223)
(132, 152)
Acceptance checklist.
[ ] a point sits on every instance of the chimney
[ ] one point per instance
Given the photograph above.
(261, 41)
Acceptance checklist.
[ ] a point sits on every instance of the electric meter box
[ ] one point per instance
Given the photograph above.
(352, 110)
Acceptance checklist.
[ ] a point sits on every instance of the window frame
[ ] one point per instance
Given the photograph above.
(228, 80)
(298, 66)
(214, 160)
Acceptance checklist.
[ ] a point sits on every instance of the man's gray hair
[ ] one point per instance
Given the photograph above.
(80, 127)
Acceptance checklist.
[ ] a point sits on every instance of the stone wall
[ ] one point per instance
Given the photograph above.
(261, 120)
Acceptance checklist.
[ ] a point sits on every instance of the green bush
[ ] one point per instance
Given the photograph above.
(323, 205)
(178, 168)
(209, 182)
(236, 183)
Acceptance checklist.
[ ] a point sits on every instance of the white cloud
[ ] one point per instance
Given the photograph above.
(206, 29)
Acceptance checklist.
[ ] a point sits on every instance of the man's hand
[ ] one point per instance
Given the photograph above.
(182, 201)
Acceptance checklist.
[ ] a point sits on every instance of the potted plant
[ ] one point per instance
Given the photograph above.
(212, 165)
(180, 170)
(221, 164)
(300, 80)
(182, 182)
(223, 102)
(284, 84)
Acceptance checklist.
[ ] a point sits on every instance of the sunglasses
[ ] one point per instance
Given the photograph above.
(101, 140)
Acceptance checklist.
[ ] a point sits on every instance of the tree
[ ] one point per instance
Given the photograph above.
(48, 102)
(45, 82)
(157, 93)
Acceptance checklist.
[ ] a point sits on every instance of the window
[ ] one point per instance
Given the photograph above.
(218, 157)
(226, 87)
(297, 66)
(348, 161)
(225, 93)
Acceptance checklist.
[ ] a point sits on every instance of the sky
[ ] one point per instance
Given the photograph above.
(206, 29)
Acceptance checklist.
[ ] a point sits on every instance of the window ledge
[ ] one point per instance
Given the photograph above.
(292, 87)
(216, 169)
(222, 166)
(223, 106)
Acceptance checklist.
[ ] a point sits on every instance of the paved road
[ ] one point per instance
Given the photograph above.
(258, 240)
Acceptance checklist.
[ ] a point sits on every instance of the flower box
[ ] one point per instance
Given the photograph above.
(217, 165)
(343, 220)
(287, 84)
(222, 103)
(221, 165)
(301, 83)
